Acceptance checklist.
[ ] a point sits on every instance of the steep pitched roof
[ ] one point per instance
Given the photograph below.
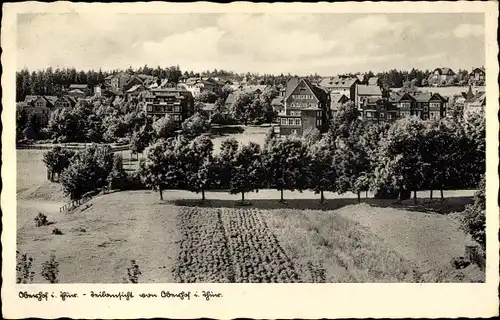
(338, 82)
(368, 90)
(338, 97)
(51, 99)
(277, 101)
(290, 86)
(134, 88)
(445, 70)
(373, 81)
(29, 99)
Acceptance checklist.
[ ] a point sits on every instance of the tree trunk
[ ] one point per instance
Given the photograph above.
(161, 193)
(414, 196)
(242, 197)
(400, 195)
(431, 193)
(359, 196)
(442, 196)
(322, 197)
(282, 200)
(366, 194)
(203, 195)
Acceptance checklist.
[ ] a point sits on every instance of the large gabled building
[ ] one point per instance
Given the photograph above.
(305, 106)
(423, 105)
(177, 103)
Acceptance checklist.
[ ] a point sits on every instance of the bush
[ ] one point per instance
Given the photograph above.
(23, 268)
(474, 216)
(41, 220)
(133, 272)
(88, 171)
(50, 270)
(57, 231)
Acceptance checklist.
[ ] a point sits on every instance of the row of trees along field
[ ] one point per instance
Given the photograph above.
(408, 155)
(411, 155)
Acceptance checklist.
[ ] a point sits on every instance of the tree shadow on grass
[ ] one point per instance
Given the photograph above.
(423, 205)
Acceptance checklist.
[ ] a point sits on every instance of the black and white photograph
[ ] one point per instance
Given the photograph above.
(250, 147)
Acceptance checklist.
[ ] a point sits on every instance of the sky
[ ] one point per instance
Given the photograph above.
(301, 44)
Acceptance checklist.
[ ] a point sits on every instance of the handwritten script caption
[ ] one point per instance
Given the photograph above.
(122, 296)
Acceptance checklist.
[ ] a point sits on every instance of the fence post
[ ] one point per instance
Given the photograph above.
(470, 252)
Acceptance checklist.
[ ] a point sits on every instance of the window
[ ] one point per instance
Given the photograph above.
(297, 121)
(283, 121)
(389, 116)
(435, 105)
(177, 109)
(290, 122)
(318, 114)
(295, 113)
(368, 114)
(382, 115)
(150, 108)
(318, 122)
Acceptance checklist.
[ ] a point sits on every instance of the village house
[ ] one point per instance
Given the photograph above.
(117, 82)
(441, 77)
(176, 102)
(336, 100)
(423, 105)
(340, 85)
(80, 88)
(305, 106)
(139, 80)
(477, 77)
(373, 110)
(198, 85)
(277, 104)
(363, 92)
(65, 102)
(40, 106)
(475, 104)
(208, 109)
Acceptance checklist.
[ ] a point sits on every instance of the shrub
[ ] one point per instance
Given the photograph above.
(118, 176)
(88, 171)
(23, 268)
(50, 270)
(474, 216)
(133, 272)
(41, 220)
(57, 231)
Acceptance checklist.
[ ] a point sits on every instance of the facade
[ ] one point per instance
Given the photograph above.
(277, 104)
(117, 81)
(340, 85)
(40, 106)
(477, 77)
(336, 100)
(374, 110)
(198, 85)
(175, 102)
(475, 104)
(65, 102)
(424, 105)
(363, 92)
(441, 77)
(305, 106)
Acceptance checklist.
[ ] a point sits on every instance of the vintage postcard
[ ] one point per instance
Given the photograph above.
(302, 160)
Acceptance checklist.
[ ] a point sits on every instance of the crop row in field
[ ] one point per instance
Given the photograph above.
(203, 255)
(253, 249)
